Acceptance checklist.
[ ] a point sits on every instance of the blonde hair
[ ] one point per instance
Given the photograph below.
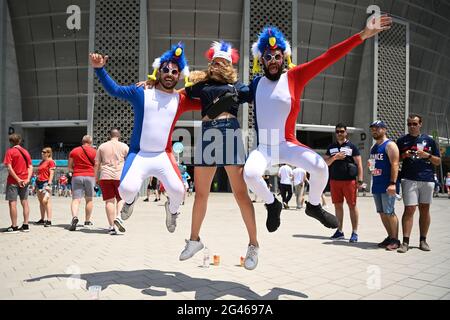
(227, 74)
(87, 139)
(49, 152)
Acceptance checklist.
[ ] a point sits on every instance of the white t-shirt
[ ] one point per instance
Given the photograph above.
(299, 175)
(285, 174)
(447, 181)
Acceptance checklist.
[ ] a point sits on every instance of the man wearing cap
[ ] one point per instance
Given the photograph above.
(156, 110)
(277, 97)
(419, 154)
(383, 165)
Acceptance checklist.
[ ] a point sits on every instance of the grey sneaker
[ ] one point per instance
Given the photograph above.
(171, 219)
(251, 259)
(424, 246)
(191, 248)
(127, 209)
(119, 224)
(403, 248)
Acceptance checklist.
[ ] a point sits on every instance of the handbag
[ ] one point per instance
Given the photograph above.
(222, 103)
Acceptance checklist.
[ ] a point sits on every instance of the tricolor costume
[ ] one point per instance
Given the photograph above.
(155, 115)
(277, 104)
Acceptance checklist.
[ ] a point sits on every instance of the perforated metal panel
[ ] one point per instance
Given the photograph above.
(391, 72)
(117, 35)
(263, 13)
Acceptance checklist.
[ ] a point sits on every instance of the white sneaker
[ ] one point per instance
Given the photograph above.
(251, 259)
(112, 231)
(171, 219)
(192, 247)
(127, 209)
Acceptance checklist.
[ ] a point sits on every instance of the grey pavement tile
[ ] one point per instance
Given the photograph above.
(297, 262)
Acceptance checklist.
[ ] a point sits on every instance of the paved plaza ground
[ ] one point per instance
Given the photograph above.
(296, 262)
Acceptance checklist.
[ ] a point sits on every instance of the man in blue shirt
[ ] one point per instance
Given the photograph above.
(383, 165)
(419, 154)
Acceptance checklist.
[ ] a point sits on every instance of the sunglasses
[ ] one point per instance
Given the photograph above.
(44, 151)
(340, 131)
(174, 72)
(412, 124)
(268, 57)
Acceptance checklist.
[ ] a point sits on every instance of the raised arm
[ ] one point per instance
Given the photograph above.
(310, 69)
(124, 92)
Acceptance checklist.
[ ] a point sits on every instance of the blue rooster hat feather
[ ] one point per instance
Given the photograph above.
(175, 55)
(270, 38)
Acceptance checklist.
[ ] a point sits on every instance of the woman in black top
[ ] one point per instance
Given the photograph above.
(220, 143)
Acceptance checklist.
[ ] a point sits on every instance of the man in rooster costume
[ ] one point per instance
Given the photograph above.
(156, 110)
(277, 97)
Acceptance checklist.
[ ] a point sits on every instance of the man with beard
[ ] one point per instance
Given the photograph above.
(156, 110)
(383, 165)
(277, 104)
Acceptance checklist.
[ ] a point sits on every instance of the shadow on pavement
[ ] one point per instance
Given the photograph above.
(309, 236)
(175, 281)
(360, 245)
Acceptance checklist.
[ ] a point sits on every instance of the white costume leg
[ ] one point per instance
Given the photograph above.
(170, 177)
(134, 174)
(310, 161)
(255, 166)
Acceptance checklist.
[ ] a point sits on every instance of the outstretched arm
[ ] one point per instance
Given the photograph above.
(124, 92)
(310, 69)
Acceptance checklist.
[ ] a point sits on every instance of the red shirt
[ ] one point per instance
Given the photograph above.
(82, 166)
(44, 169)
(63, 180)
(18, 163)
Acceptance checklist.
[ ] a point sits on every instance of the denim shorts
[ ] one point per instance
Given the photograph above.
(41, 185)
(220, 144)
(384, 203)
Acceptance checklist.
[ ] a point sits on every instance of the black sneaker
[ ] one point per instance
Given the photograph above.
(73, 225)
(11, 230)
(145, 200)
(47, 224)
(384, 243)
(88, 224)
(40, 222)
(24, 228)
(317, 212)
(273, 215)
(156, 200)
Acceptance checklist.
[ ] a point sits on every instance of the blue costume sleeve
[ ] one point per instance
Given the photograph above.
(245, 94)
(130, 93)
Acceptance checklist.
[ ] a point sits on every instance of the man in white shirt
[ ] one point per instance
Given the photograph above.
(286, 175)
(299, 185)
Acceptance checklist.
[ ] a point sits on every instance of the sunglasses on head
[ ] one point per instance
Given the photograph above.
(413, 124)
(268, 57)
(340, 131)
(174, 72)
